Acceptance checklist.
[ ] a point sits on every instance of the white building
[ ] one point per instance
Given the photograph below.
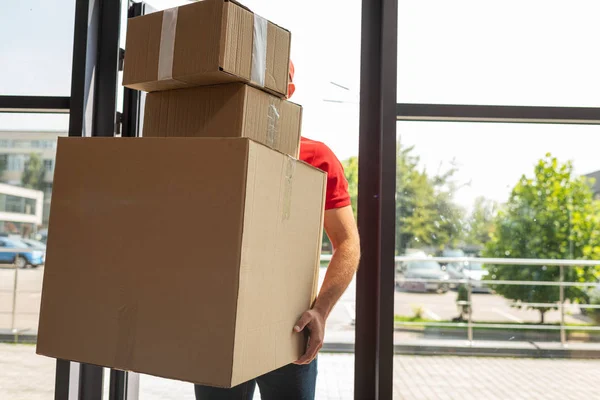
(21, 210)
(15, 149)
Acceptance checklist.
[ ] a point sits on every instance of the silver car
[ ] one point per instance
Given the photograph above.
(422, 276)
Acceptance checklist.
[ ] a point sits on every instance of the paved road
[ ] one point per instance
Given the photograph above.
(486, 307)
(26, 376)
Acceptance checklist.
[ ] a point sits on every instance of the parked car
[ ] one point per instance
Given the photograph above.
(20, 254)
(453, 253)
(426, 270)
(34, 244)
(455, 271)
(474, 271)
(42, 235)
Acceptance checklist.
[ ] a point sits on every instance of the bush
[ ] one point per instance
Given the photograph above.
(594, 313)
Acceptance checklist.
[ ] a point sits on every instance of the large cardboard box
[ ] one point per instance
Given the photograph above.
(184, 258)
(232, 110)
(207, 42)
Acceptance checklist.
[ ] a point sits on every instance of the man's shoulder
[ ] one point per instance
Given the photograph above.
(315, 152)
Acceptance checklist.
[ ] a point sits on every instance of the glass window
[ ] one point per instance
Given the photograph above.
(25, 128)
(517, 200)
(15, 162)
(49, 165)
(16, 204)
(511, 52)
(40, 47)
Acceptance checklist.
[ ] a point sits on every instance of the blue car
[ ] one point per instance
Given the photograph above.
(13, 251)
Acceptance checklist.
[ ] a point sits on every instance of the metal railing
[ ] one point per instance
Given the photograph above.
(516, 262)
(14, 330)
(467, 281)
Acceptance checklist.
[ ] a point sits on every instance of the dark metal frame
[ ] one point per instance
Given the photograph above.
(376, 202)
(503, 114)
(35, 104)
(132, 98)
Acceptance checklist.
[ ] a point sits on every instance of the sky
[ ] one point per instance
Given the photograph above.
(512, 52)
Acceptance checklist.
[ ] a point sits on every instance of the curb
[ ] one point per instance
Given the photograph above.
(7, 336)
(476, 351)
(418, 350)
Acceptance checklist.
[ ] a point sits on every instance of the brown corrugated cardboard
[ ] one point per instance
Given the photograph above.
(186, 258)
(207, 42)
(232, 110)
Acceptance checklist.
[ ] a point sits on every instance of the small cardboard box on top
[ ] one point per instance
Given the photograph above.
(204, 43)
(199, 278)
(230, 110)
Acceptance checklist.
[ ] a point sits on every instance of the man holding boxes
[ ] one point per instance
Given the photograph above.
(298, 380)
(229, 301)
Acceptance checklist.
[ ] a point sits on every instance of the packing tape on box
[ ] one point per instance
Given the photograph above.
(290, 167)
(272, 124)
(259, 50)
(167, 44)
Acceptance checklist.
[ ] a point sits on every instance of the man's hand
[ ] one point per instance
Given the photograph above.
(341, 229)
(314, 322)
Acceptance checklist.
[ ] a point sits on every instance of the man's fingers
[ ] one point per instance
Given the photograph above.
(302, 322)
(314, 345)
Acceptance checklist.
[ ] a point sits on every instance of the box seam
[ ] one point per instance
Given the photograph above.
(318, 249)
(241, 240)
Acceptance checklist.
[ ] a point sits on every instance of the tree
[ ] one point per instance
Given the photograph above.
(351, 173)
(551, 215)
(426, 214)
(480, 223)
(3, 165)
(34, 172)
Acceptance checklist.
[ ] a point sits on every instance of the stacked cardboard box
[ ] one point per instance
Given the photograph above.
(189, 253)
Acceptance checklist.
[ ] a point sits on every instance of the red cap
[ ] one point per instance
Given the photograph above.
(291, 85)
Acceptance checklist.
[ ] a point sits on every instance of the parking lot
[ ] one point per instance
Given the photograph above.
(433, 306)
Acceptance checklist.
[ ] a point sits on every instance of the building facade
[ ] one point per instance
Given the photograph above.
(16, 149)
(21, 210)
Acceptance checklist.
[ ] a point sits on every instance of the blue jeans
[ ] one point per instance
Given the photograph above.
(292, 382)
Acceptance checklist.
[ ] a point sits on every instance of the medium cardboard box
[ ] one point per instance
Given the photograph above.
(234, 110)
(204, 43)
(185, 258)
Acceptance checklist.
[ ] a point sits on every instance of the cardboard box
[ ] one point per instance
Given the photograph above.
(233, 110)
(204, 43)
(185, 258)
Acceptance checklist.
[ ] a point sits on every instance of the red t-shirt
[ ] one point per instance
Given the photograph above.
(320, 156)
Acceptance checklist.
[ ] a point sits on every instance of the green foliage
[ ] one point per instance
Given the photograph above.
(425, 212)
(351, 172)
(3, 165)
(462, 297)
(426, 215)
(418, 311)
(33, 175)
(595, 300)
(480, 223)
(551, 215)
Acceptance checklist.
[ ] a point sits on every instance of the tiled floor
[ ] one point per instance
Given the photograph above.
(26, 376)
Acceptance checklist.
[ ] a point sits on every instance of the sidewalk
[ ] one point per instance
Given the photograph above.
(26, 376)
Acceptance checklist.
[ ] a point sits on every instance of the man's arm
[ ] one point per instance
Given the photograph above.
(341, 229)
